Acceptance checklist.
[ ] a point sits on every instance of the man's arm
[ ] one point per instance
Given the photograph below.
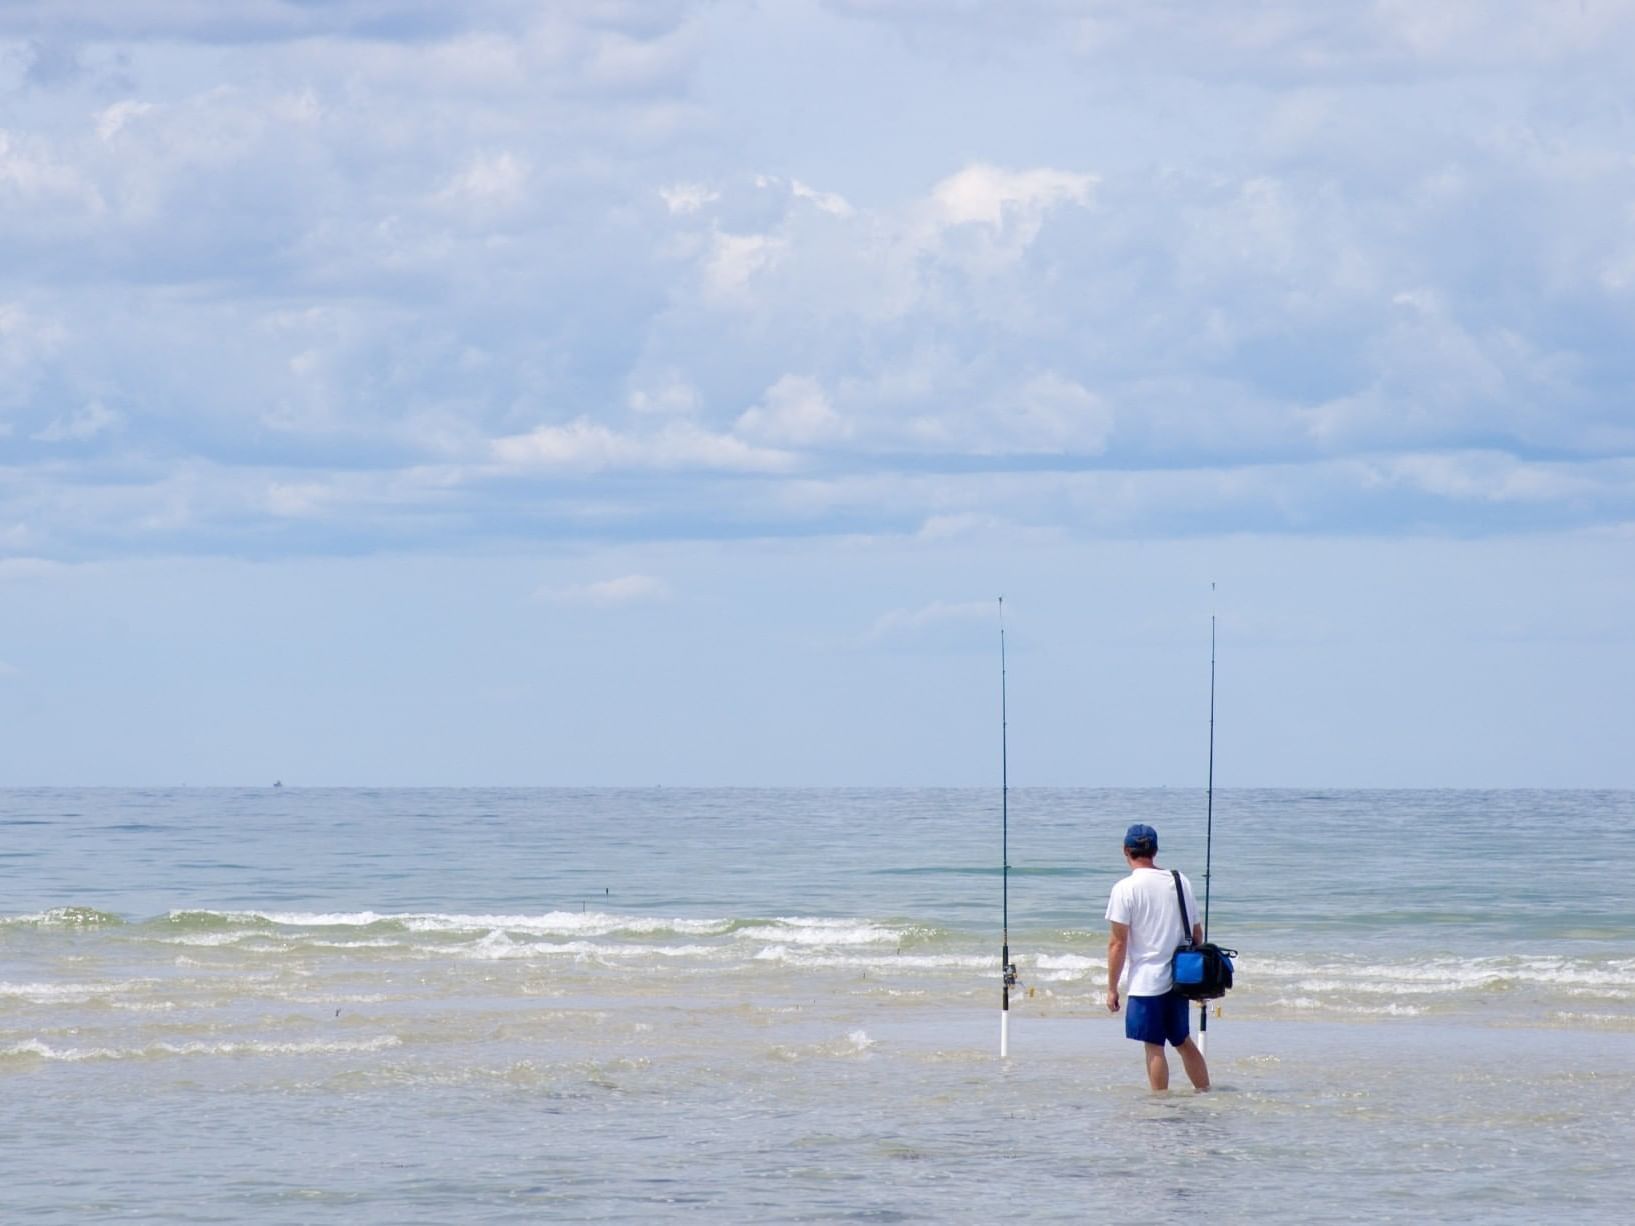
(1118, 942)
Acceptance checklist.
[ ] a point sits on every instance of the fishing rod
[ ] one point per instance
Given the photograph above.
(1209, 827)
(1007, 968)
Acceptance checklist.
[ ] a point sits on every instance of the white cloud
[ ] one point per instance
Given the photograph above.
(112, 120)
(1003, 199)
(27, 342)
(795, 412)
(1280, 39)
(588, 446)
(298, 108)
(832, 203)
(81, 425)
(829, 202)
(1054, 413)
(1494, 477)
(958, 252)
(1045, 414)
(607, 593)
(32, 175)
(669, 393)
(494, 181)
(687, 197)
(1433, 377)
(1475, 31)
(734, 260)
(626, 64)
(277, 225)
(298, 499)
(909, 623)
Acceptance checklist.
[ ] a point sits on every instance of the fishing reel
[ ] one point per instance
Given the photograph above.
(1010, 975)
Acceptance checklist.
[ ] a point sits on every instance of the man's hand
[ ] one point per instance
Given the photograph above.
(1112, 1000)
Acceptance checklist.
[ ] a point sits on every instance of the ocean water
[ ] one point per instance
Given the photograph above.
(299, 1005)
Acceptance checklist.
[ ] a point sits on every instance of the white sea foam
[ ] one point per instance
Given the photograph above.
(34, 1047)
(1065, 968)
(799, 931)
(660, 951)
(565, 923)
(499, 946)
(68, 993)
(790, 930)
(295, 919)
(1604, 993)
(496, 946)
(1378, 988)
(263, 1047)
(933, 962)
(552, 923)
(229, 1047)
(1069, 962)
(63, 917)
(1308, 1003)
(854, 1043)
(1596, 1019)
(794, 930)
(685, 927)
(1446, 974)
(206, 939)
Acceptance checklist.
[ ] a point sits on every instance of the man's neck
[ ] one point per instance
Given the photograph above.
(1142, 862)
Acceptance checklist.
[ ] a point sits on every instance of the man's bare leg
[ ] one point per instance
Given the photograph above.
(1157, 1066)
(1197, 1068)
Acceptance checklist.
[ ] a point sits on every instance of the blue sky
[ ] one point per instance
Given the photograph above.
(662, 392)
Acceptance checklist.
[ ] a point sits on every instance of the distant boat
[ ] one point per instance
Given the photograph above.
(278, 783)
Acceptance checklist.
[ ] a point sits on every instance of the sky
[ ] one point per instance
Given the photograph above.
(650, 392)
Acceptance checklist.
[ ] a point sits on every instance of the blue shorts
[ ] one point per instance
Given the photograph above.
(1152, 1019)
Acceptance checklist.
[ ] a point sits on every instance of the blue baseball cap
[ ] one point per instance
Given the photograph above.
(1141, 840)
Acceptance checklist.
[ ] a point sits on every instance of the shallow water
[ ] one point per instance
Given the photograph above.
(288, 1005)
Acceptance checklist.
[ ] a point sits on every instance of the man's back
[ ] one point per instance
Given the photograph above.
(1145, 902)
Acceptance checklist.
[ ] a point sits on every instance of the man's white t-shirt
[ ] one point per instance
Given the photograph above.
(1145, 901)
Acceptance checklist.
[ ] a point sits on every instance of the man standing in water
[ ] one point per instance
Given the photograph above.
(1145, 921)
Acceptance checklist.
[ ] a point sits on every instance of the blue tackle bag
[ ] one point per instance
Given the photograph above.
(1202, 972)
